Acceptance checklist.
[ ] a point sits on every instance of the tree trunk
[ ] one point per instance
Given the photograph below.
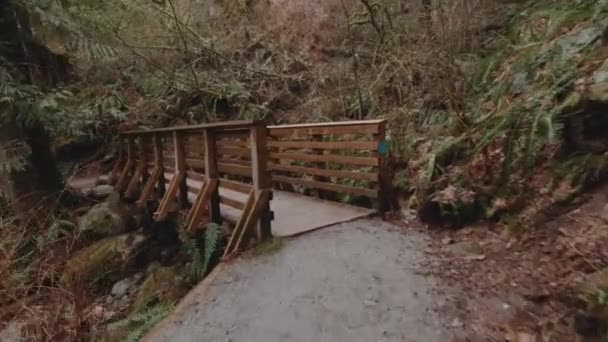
(40, 175)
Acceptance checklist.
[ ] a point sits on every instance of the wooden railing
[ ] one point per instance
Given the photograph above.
(348, 157)
(177, 161)
(228, 169)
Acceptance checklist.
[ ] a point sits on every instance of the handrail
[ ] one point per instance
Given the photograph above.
(331, 124)
(140, 174)
(244, 124)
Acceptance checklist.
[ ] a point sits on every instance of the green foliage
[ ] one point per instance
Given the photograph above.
(200, 257)
(141, 322)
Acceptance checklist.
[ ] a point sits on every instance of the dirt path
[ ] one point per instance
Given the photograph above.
(357, 281)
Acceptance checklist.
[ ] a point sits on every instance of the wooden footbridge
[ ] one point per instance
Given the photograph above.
(266, 180)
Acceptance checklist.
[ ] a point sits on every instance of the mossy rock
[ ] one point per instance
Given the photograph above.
(104, 260)
(105, 219)
(164, 284)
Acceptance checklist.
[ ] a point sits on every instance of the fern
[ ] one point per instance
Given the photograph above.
(200, 258)
(139, 323)
(194, 268)
(212, 237)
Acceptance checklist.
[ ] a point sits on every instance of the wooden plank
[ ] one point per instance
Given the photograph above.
(238, 228)
(326, 145)
(233, 169)
(154, 179)
(236, 186)
(120, 160)
(193, 189)
(385, 178)
(302, 131)
(234, 134)
(124, 176)
(234, 151)
(227, 125)
(232, 202)
(137, 175)
(327, 186)
(195, 163)
(233, 143)
(235, 161)
(195, 176)
(201, 204)
(180, 167)
(262, 181)
(328, 158)
(260, 205)
(212, 174)
(364, 176)
(170, 195)
(141, 173)
(332, 124)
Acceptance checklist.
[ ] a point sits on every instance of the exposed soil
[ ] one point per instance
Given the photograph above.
(524, 282)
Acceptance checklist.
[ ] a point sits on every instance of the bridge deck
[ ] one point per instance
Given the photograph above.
(293, 214)
(296, 214)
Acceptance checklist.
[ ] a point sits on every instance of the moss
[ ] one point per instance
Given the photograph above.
(101, 261)
(102, 221)
(164, 285)
(268, 247)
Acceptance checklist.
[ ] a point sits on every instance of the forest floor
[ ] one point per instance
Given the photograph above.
(528, 282)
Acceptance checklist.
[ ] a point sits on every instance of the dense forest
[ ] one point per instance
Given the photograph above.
(497, 113)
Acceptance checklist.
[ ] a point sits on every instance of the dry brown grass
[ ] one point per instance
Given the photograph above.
(32, 254)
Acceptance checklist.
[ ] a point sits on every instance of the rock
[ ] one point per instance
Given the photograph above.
(102, 261)
(154, 265)
(466, 249)
(122, 287)
(104, 220)
(164, 284)
(447, 240)
(100, 191)
(102, 180)
(475, 257)
(456, 323)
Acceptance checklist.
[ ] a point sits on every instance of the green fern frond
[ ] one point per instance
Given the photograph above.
(212, 237)
(139, 323)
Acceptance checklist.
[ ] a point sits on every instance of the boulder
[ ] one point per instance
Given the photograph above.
(102, 180)
(164, 284)
(121, 287)
(100, 191)
(105, 219)
(103, 261)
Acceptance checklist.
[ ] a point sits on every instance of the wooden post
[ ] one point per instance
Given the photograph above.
(119, 161)
(124, 176)
(262, 179)
(157, 175)
(160, 161)
(211, 173)
(384, 171)
(180, 168)
(141, 172)
(327, 195)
